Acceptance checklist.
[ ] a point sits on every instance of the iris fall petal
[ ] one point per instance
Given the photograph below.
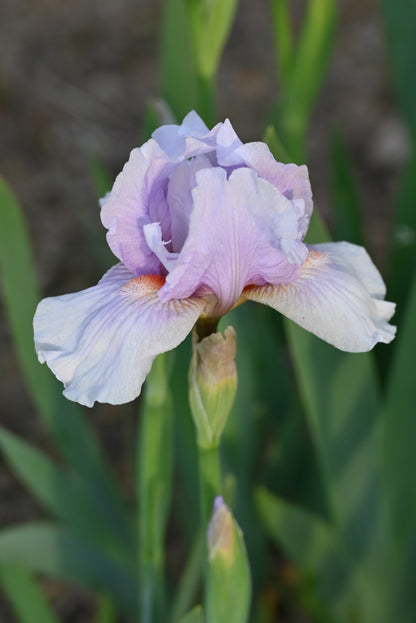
(101, 342)
(337, 296)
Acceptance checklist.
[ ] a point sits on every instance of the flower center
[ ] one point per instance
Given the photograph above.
(142, 286)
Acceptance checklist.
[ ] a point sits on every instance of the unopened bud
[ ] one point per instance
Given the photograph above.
(228, 574)
(220, 531)
(213, 384)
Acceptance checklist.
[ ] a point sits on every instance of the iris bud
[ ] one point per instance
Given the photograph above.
(213, 384)
(228, 575)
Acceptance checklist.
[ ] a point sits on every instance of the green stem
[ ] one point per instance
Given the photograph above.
(210, 487)
(210, 480)
(154, 478)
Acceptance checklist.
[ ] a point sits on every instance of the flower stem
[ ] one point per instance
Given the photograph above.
(154, 484)
(210, 487)
(210, 479)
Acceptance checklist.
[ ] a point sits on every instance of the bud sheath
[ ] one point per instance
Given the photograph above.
(228, 575)
(213, 384)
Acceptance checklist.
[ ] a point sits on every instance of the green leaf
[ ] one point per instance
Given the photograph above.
(19, 289)
(401, 587)
(282, 29)
(304, 78)
(177, 68)
(51, 549)
(313, 50)
(318, 549)
(340, 394)
(195, 616)
(154, 478)
(63, 418)
(400, 428)
(341, 399)
(307, 538)
(210, 22)
(347, 215)
(186, 497)
(275, 144)
(25, 596)
(403, 242)
(102, 183)
(100, 175)
(189, 581)
(399, 20)
(64, 494)
(106, 612)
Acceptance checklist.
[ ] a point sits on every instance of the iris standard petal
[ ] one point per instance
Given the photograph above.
(235, 234)
(337, 296)
(139, 193)
(227, 141)
(290, 179)
(179, 197)
(101, 342)
(136, 199)
(190, 138)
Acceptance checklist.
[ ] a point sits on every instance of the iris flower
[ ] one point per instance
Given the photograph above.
(201, 223)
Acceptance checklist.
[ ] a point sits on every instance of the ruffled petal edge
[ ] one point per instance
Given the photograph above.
(101, 342)
(337, 296)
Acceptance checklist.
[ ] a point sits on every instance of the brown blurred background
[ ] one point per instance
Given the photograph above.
(75, 77)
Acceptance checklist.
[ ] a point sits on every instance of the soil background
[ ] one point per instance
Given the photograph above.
(75, 78)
